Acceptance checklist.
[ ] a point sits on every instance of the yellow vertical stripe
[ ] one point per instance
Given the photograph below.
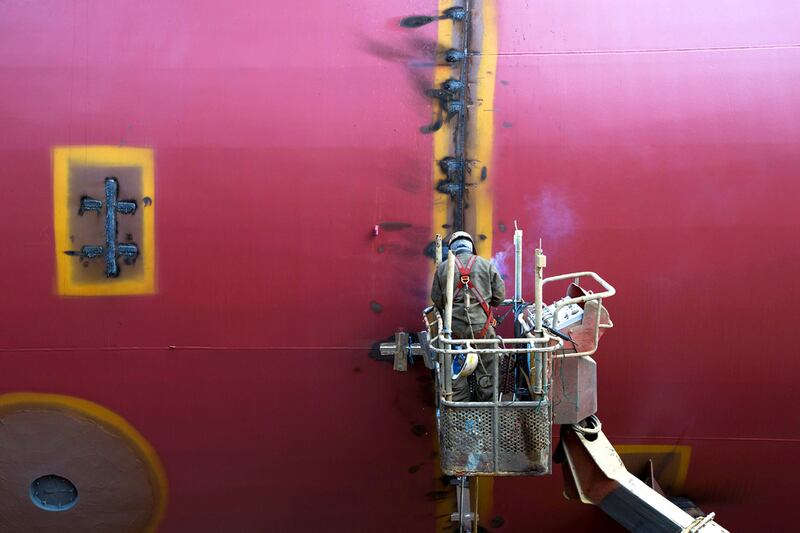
(479, 149)
(442, 147)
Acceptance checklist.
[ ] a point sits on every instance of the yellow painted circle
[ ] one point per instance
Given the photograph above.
(76, 408)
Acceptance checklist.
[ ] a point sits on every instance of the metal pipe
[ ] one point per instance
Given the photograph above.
(517, 265)
(538, 373)
(448, 326)
(488, 351)
(448, 306)
(544, 339)
(515, 404)
(495, 412)
(540, 263)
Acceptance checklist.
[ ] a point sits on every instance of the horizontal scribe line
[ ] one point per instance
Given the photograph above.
(646, 50)
(681, 438)
(182, 347)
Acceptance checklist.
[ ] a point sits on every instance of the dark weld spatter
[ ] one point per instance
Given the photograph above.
(456, 13)
(434, 126)
(416, 21)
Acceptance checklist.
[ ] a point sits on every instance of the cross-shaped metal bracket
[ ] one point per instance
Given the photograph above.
(113, 248)
(404, 350)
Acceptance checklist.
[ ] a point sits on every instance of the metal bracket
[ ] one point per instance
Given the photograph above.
(401, 351)
(403, 348)
(112, 248)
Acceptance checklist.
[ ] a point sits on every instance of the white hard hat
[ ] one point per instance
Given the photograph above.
(464, 364)
(460, 235)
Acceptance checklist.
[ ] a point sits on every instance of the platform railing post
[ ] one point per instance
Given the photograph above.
(448, 325)
(540, 263)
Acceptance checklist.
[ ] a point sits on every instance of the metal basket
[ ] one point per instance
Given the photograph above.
(505, 440)
(508, 435)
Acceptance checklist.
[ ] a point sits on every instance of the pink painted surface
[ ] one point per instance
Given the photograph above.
(284, 133)
(673, 172)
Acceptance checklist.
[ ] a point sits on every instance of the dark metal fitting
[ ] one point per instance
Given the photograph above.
(454, 56)
(437, 93)
(456, 13)
(454, 107)
(452, 85)
(448, 187)
(451, 165)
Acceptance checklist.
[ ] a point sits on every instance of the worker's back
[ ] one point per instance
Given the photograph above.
(486, 281)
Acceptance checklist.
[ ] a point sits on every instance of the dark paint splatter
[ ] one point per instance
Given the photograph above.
(497, 521)
(417, 21)
(357, 370)
(394, 226)
(484, 173)
(504, 82)
(482, 237)
(507, 124)
(419, 430)
(72, 252)
(147, 201)
(501, 227)
(381, 249)
(376, 307)
(413, 469)
(438, 495)
(433, 127)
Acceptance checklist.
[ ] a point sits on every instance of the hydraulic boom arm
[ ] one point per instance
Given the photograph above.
(594, 473)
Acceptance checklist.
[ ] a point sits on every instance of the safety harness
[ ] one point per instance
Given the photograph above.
(465, 281)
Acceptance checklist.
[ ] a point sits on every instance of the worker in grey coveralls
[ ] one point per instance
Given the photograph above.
(468, 323)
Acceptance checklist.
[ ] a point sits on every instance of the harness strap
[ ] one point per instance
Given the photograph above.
(465, 281)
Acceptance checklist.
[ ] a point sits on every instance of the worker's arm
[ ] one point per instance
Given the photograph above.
(498, 287)
(437, 297)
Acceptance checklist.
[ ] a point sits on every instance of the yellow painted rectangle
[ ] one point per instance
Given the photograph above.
(65, 160)
(671, 462)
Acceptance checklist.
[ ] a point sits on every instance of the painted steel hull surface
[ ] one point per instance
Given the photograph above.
(656, 144)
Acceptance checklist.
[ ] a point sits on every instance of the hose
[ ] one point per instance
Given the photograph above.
(593, 423)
